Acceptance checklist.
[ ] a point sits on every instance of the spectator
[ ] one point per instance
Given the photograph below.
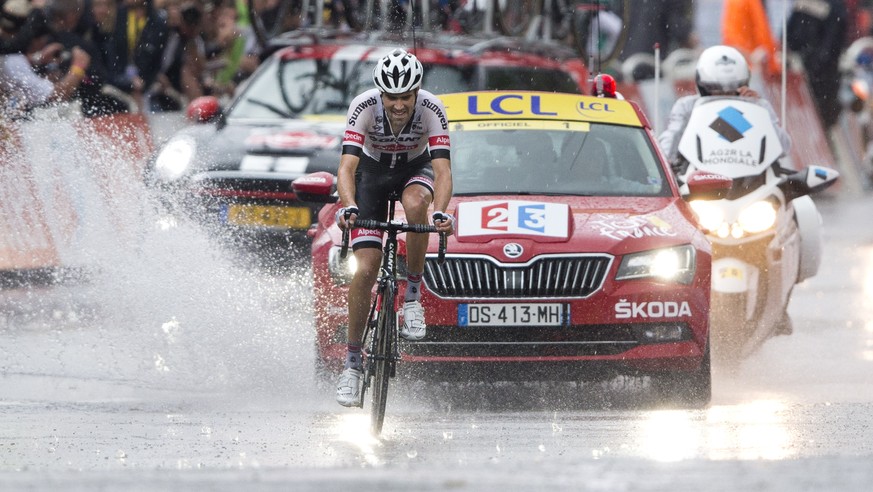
(179, 79)
(21, 88)
(102, 30)
(136, 47)
(817, 31)
(233, 56)
(745, 27)
(669, 23)
(64, 16)
(19, 24)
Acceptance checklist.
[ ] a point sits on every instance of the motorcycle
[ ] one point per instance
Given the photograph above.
(765, 231)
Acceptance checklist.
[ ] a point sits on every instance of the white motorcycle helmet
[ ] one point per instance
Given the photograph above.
(398, 72)
(721, 70)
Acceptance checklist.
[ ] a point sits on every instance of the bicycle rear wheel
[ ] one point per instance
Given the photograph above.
(599, 41)
(513, 16)
(382, 358)
(266, 25)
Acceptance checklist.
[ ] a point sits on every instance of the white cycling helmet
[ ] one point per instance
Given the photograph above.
(398, 72)
(721, 70)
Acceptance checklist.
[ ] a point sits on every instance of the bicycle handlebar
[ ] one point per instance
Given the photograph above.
(394, 226)
(397, 227)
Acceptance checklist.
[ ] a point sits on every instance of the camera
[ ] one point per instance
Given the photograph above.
(58, 64)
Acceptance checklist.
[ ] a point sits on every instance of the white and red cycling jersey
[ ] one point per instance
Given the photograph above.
(368, 131)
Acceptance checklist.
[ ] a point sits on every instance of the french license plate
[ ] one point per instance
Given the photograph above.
(268, 216)
(519, 314)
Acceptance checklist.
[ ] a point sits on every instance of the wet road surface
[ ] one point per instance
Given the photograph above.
(172, 366)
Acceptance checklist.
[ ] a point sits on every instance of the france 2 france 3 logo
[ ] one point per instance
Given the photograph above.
(513, 217)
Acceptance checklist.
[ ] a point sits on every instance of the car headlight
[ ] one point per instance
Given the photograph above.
(676, 264)
(174, 158)
(341, 269)
(757, 217)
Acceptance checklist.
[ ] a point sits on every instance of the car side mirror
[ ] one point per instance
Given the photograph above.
(205, 109)
(317, 187)
(708, 186)
(811, 179)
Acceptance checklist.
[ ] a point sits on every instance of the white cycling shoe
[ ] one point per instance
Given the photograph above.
(413, 321)
(348, 388)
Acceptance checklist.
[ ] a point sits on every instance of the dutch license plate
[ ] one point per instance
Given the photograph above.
(269, 216)
(526, 314)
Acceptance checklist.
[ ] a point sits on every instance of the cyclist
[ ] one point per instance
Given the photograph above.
(396, 139)
(721, 71)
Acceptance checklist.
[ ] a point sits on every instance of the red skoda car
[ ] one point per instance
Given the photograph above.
(574, 258)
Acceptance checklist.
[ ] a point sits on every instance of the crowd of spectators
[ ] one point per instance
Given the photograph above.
(156, 55)
(121, 55)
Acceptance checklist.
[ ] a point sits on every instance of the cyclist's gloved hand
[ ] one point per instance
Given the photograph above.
(441, 216)
(443, 221)
(345, 214)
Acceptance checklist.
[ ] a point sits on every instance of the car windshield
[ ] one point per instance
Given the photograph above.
(309, 87)
(563, 158)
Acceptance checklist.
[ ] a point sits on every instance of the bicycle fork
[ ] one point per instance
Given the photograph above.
(374, 335)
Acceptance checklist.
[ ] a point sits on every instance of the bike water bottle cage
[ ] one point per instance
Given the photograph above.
(721, 70)
(398, 72)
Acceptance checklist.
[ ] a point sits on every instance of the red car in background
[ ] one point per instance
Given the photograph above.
(575, 258)
(233, 173)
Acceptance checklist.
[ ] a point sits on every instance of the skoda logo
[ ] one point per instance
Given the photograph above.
(513, 250)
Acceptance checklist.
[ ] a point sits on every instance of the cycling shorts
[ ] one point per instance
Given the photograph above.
(374, 182)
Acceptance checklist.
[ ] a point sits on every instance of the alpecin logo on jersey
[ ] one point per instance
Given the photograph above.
(441, 140)
(352, 137)
(360, 109)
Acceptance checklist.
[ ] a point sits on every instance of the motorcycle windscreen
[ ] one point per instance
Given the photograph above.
(731, 137)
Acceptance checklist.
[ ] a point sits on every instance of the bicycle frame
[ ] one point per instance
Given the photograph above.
(381, 330)
(381, 337)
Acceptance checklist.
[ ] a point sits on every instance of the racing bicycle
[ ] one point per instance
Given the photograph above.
(381, 340)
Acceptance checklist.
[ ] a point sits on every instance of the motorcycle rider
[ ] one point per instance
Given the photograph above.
(721, 71)
(396, 139)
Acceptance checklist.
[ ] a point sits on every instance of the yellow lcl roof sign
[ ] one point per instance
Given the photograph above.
(522, 105)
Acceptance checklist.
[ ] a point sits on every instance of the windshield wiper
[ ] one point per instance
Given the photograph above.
(281, 112)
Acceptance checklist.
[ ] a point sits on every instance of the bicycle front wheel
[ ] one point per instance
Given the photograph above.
(382, 358)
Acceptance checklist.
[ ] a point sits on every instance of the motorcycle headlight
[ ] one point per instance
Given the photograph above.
(675, 264)
(710, 215)
(341, 269)
(757, 217)
(174, 158)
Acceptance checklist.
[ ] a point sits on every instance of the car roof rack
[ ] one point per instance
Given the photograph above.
(451, 43)
(549, 49)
